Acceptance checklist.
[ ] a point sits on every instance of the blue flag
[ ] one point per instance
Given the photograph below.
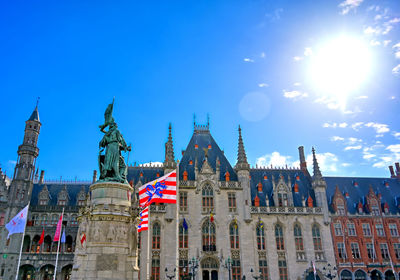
(17, 224)
(184, 224)
(63, 237)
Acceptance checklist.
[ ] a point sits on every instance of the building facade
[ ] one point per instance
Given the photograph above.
(233, 220)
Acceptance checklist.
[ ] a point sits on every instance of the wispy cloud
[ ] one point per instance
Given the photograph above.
(396, 70)
(348, 5)
(276, 15)
(297, 58)
(294, 94)
(308, 51)
(248, 59)
(379, 127)
(356, 126)
(274, 159)
(396, 134)
(329, 102)
(297, 84)
(358, 147)
(263, 85)
(362, 97)
(334, 125)
(337, 138)
(328, 162)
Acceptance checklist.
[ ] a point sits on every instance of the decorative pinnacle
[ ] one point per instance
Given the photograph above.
(242, 158)
(169, 147)
(317, 172)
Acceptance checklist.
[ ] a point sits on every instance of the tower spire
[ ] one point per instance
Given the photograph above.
(241, 158)
(317, 173)
(169, 162)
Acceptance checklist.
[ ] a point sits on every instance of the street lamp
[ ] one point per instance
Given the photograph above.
(255, 277)
(228, 265)
(330, 272)
(170, 277)
(193, 264)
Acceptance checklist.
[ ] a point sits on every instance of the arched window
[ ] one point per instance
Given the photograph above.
(298, 241)
(156, 236)
(280, 245)
(155, 269)
(345, 275)
(208, 199)
(360, 275)
(234, 235)
(208, 236)
(35, 248)
(319, 255)
(43, 221)
(260, 236)
(183, 236)
(262, 263)
(54, 219)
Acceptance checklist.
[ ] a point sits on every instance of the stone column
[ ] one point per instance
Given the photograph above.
(109, 223)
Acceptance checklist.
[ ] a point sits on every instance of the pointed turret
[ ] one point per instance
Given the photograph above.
(317, 173)
(35, 114)
(319, 186)
(169, 161)
(242, 163)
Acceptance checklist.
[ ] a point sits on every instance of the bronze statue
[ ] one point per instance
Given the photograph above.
(112, 164)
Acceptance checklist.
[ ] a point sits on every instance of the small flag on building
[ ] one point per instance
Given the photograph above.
(83, 239)
(144, 220)
(184, 224)
(17, 224)
(63, 237)
(58, 229)
(161, 190)
(211, 217)
(41, 238)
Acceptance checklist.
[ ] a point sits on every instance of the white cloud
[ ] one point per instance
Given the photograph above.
(263, 85)
(343, 125)
(374, 43)
(396, 134)
(297, 84)
(378, 17)
(345, 164)
(327, 162)
(358, 147)
(349, 5)
(356, 125)
(329, 102)
(353, 140)
(392, 97)
(394, 20)
(248, 60)
(372, 31)
(262, 55)
(394, 148)
(386, 42)
(337, 138)
(396, 69)
(274, 159)
(297, 58)
(334, 125)
(379, 127)
(308, 51)
(294, 94)
(368, 156)
(362, 97)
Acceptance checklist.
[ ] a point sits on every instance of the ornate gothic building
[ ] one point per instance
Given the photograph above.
(234, 220)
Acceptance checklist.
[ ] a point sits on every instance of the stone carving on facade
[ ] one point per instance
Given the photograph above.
(81, 231)
(183, 254)
(97, 234)
(111, 232)
(235, 254)
(133, 239)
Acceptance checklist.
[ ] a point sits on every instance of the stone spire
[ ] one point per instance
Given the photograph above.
(317, 172)
(169, 162)
(242, 158)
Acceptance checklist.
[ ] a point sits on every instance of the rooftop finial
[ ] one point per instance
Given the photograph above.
(169, 150)
(242, 158)
(317, 172)
(37, 101)
(208, 120)
(194, 121)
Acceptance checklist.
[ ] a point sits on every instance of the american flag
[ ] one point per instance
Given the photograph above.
(161, 190)
(144, 220)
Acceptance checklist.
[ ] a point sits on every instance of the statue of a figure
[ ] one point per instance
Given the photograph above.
(112, 164)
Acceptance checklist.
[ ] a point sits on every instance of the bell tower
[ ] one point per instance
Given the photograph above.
(28, 151)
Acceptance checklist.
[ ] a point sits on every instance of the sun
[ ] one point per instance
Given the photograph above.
(339, 67)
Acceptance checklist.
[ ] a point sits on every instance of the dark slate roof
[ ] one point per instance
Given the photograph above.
(54, 189)
(203, 138)
(356, 194)
(35, 115)
(149, 173)
(257, 176)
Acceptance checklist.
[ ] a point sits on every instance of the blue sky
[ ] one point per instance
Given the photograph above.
(241, 62)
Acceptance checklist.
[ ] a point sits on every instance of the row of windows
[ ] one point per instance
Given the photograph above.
(366, 228)
(45, 220)
(355, 251)
(62, 202)
(207, 201)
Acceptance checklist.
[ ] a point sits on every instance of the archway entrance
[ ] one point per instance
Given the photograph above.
(27, 272)
(389, 275)
(376, 275)
(209, 267)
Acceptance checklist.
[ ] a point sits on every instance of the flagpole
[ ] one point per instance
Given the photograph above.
(148, 247)
(177, 223)
(22, 244)
(58, 246)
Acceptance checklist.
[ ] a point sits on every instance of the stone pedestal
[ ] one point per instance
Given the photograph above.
(109, 223)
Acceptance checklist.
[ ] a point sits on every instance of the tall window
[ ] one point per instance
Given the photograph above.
(371, 251)
(183, 266)
(156, 237)
(280, 245)
(298, 241)
(183, 237)
(384, 251)
(366, 229)
(338, 229)
(379, 230)
(54, 219)
(155, 269)
(282, 199)
(351, 229)
(208, 236)
(283, 274)
(73, 221)
(355, 250)
(208, 199)
(393, 230)
(319, 254)
(236, 271)
(375, 210)
(341, 251)
(260, 236)
(183, 201)
(396, 247)
(234, 235)
(43, 221)
(340, 210)
(262, 263)
(232, 202)
(2, 215)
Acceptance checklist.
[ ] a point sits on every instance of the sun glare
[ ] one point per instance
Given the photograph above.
(339, 67)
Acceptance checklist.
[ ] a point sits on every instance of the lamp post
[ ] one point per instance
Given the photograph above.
(329, 271)
(193, 265)
(255, 277)
(228, 265)
(170, 277)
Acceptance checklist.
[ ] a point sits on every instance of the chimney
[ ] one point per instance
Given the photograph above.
(392, 175)
(397, 169)
(41, 178)
(303, 163)
(94, 176)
